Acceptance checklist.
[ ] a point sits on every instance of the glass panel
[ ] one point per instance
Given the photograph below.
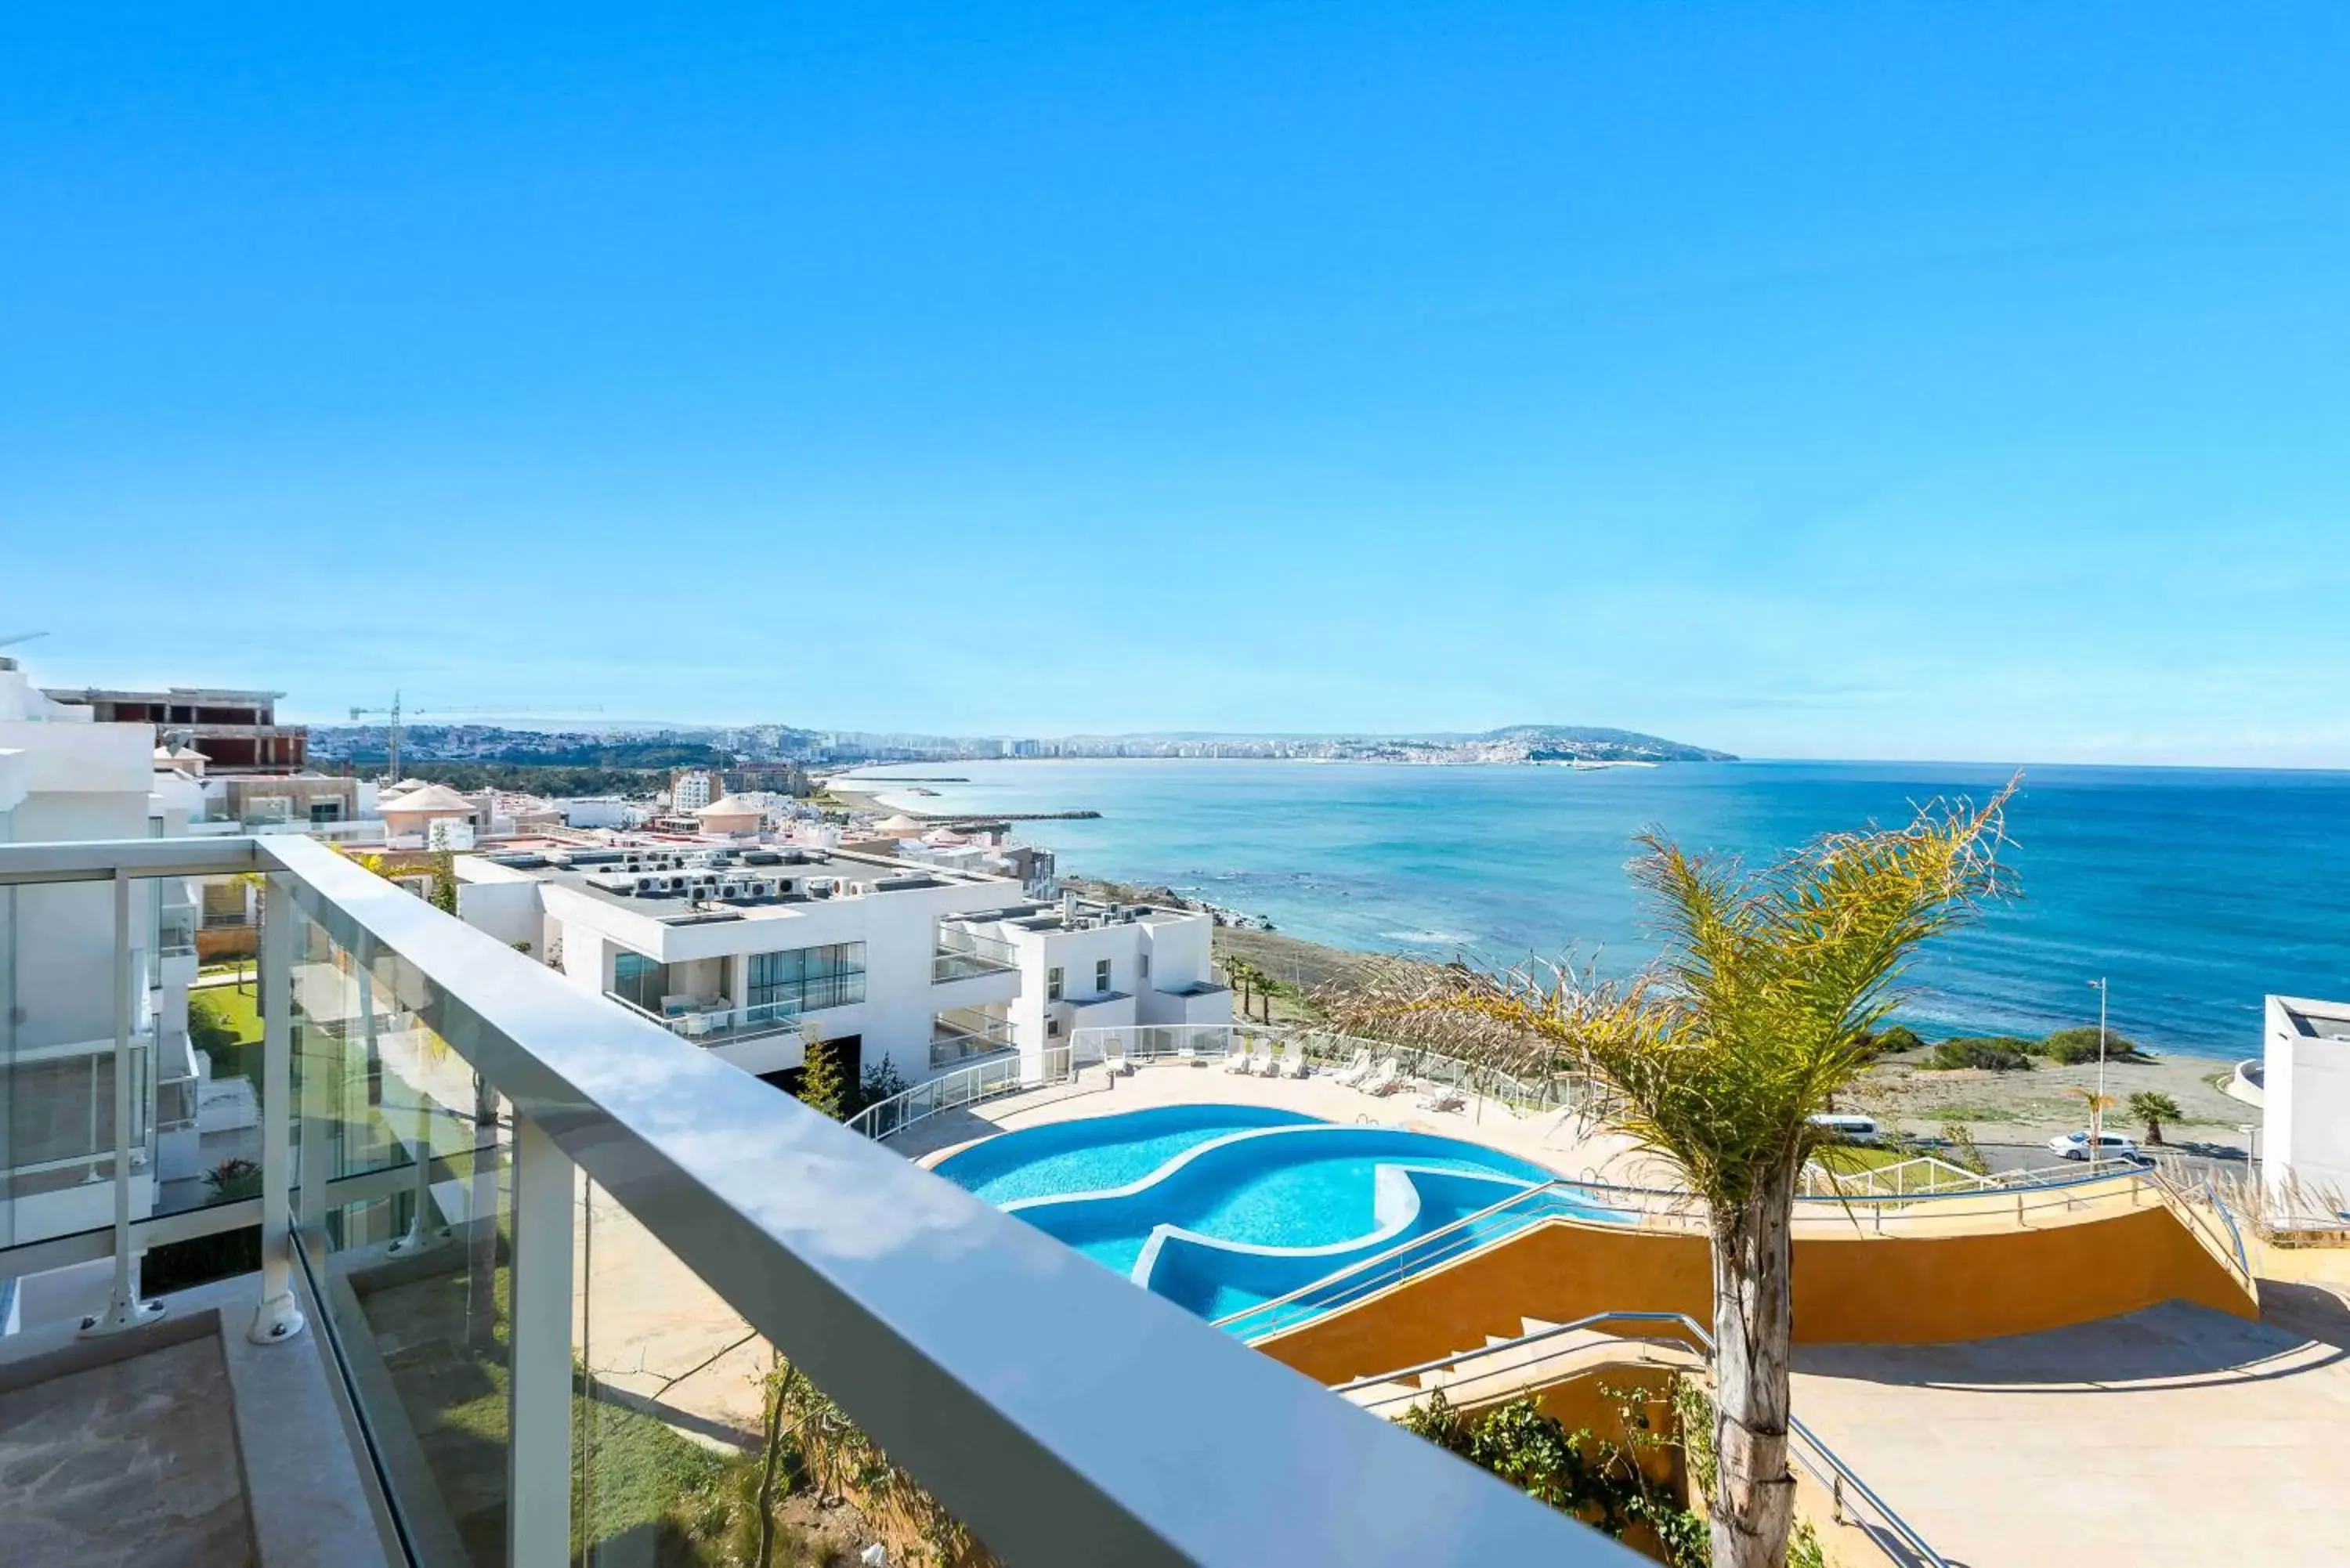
(59, 978)
(416, 1278)
(640, 980)
(669, 1421)
(666, 1406)
(809, 978)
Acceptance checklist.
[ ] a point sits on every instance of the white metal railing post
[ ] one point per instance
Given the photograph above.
(123, 1308)
(278, 1317)
(538, 1417)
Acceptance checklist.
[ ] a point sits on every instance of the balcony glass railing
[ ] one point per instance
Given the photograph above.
(960, 955)
(715, 1025)
(959, 1033)
(571, 1274)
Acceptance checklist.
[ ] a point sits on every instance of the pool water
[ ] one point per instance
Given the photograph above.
(1098, 1154)
(1221, 1207)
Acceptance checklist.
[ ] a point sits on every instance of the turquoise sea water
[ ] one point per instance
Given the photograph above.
(2197, 891)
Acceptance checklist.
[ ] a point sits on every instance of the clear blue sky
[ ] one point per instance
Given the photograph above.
(1955, 381)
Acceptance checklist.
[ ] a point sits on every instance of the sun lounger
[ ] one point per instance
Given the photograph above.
(1238, 1063)
(1357, 1072)
(1298, 1067)
(1386, 1080)
(1441, 1098)
(1262, 1065)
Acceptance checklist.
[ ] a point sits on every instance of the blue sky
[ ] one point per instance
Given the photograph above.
(1961, 381)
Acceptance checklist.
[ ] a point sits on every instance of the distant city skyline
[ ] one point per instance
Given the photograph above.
(1838, 381)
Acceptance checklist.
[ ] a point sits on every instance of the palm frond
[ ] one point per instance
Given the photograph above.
(1755, 1012)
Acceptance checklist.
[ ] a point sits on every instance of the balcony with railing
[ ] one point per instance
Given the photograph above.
(719, 1023)
(967, 955)
(961, 1034)
(534, 1278)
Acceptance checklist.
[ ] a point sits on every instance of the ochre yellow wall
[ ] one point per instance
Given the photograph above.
(1857, 1289)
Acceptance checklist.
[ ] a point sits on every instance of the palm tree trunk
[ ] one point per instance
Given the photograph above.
(1753, 1326)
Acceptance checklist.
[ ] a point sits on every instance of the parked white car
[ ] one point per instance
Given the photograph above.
(2108, 1146)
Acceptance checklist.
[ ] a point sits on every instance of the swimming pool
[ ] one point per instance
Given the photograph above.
(1221, 1207)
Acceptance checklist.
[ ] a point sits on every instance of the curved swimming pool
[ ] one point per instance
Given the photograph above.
(1220, 1208)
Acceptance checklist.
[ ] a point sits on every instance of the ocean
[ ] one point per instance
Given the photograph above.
(2198, 892)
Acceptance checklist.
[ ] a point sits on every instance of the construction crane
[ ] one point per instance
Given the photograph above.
(393, 715)
(11, 640)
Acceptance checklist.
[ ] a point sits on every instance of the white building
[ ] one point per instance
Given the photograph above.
(691, 791)
(1085, 965)
(2305, 1100)
(598, 811)
(64, 775)
(744, 948)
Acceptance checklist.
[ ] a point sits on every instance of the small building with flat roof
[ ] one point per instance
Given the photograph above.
(2305, 1105)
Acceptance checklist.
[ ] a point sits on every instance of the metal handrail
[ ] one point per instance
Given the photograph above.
(891, 1292)
(1363, 1265)
(2182, 1201)
(949, 1092)
(1923, 1553)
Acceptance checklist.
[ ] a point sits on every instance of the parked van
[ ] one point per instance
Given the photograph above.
(1847, 1129)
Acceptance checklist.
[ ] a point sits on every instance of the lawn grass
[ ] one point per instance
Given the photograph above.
(1852, 1156)
(454, 1393)
(237, 1012)
(1968, 1113)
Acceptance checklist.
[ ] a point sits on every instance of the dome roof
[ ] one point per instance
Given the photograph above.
(427, 797)
(731, 805)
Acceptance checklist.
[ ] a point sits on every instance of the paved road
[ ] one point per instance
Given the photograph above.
(2174, 1436)
(2197, 1158)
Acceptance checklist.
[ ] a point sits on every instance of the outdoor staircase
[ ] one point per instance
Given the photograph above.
(1508, 1365)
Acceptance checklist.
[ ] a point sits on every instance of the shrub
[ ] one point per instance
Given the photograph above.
(234, 1177)
(2071, 1047)
(882, 1080)
(823, 1086)
(1960, 1149)
(1899, 1037)
(2000, 1054)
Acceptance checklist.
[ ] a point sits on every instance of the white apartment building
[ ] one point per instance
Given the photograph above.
(2305, 1100)
(65, 775)
(1089, 965)
(743, 949)
(691, 791)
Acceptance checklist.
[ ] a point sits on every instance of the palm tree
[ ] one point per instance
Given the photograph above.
(2154, 1107)
(1716, 1056)
(1240, 974)
(2096, 1105)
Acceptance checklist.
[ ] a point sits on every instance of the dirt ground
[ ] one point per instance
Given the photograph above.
(2032, 1106)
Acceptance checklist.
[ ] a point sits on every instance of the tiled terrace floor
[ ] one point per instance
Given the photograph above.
(2177, 1436)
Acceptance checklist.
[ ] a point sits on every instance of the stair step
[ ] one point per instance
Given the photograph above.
(1383, 1393)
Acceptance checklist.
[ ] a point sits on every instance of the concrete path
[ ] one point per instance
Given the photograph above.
(2173, 1436)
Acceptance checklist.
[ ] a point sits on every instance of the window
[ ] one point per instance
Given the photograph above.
(640, 980)
(812, 977)
(325, 811)
(1142, 962)
(1052, 1029)
(1101, 976)
(1052, 983)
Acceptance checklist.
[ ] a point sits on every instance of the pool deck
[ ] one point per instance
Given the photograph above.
(1555, 1140)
